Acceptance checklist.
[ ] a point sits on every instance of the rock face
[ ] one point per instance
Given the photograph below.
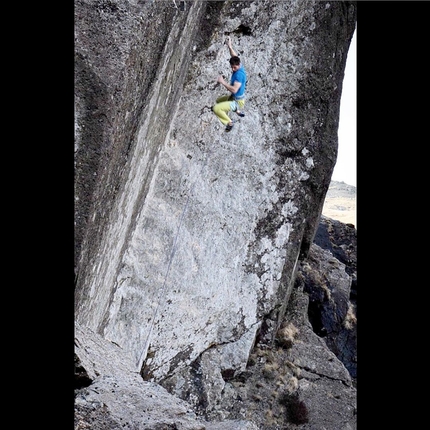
(304, 379)
(195, 263)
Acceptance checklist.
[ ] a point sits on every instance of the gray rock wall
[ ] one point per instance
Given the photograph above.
(121, 50)
(187, 237)
(298, 380)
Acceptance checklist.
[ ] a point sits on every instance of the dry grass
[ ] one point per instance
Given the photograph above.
(340, 209)
(340, 203)
(351, 318)
(286, 335)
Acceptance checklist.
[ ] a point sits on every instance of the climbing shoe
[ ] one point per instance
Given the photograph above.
(229, 127)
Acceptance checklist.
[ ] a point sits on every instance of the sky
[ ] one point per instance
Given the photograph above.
(345, 169)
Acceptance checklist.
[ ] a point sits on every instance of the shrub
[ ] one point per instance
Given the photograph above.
(286, 336)
(297, 412)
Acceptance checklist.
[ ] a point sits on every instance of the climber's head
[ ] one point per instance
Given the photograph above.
(235, 63)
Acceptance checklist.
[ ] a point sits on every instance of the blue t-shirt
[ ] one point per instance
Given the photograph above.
(239, 76)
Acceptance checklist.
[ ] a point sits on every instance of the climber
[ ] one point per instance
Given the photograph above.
(237, 87)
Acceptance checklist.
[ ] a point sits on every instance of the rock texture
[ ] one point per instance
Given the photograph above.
(305, 379)
(194, 246)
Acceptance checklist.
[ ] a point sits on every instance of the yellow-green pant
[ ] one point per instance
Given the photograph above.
(224, 105)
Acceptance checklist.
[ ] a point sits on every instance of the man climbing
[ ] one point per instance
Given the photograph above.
(237, 87)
